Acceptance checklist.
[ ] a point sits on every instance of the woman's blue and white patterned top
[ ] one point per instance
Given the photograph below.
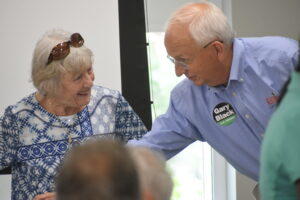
(33, 141)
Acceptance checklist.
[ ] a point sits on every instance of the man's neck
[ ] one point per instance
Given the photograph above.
(228, 63)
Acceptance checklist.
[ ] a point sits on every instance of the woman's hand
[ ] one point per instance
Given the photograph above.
(46, 196)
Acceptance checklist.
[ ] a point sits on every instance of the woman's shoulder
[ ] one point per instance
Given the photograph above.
(26, 103)
(103, 96)
(99, 92)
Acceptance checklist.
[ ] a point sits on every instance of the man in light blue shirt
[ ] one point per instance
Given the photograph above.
(230, 91)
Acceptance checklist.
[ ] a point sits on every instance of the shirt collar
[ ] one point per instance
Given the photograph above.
(235, 69)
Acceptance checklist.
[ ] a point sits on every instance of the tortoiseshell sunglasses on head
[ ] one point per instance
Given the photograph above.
(61, 50)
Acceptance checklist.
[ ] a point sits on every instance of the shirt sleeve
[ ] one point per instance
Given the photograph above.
(8, 130)
(171, 132)
(128, 124)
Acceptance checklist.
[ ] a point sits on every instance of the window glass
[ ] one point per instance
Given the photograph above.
(191, 168)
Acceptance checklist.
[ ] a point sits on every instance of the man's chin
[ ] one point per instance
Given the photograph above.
(198, 82)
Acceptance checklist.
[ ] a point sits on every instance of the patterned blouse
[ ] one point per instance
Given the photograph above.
(33, 141)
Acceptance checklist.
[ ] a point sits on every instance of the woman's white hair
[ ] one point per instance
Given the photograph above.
(46, 78)
(206, 22)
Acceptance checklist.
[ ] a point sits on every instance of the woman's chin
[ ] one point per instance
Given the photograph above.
(83, 100)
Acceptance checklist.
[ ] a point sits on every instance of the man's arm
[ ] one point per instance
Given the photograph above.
(170, 133)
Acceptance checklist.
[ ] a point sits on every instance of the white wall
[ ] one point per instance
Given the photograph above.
(158, 11)
(23, 23)
(266, 17)
(244, 187)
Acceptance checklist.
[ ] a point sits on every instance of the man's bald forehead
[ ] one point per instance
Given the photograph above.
(178, 35)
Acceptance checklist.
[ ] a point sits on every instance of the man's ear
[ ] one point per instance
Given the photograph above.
(219, 48)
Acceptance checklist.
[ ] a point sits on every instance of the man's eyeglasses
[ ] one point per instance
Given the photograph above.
(61, 50)
(177, 62)
(183, 64)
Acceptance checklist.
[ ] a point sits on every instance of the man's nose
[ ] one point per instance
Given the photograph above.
(179, 70)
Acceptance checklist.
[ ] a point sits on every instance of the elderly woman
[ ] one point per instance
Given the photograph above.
(66, 109)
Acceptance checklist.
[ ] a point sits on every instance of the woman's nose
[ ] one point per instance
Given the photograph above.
(89, 80)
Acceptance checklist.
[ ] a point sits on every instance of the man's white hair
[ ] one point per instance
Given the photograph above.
(153, 175)
(206, 22)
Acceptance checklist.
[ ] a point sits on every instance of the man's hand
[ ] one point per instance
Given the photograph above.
(46, 196)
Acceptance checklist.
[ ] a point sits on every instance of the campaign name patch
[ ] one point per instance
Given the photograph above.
(224, 114)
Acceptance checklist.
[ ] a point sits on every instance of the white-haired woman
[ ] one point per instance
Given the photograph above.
(66, 109)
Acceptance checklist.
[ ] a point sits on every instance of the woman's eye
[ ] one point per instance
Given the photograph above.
(90, 70)
(78, 77)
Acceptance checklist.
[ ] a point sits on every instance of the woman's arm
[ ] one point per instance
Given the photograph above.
(8, 138)
(128, 123)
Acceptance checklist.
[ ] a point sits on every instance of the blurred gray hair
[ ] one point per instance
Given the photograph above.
(46, 78)
(206, 22)
(98, 169)
(153, 175)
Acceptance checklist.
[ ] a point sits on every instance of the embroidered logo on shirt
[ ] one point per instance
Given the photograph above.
(224, 114)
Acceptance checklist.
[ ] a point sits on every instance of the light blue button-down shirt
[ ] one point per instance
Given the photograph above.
(259, 69)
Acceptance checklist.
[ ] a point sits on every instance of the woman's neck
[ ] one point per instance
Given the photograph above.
(53, 105)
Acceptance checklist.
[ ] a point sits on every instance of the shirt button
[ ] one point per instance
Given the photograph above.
(247, 116)
(234, 94)
(241, 80)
